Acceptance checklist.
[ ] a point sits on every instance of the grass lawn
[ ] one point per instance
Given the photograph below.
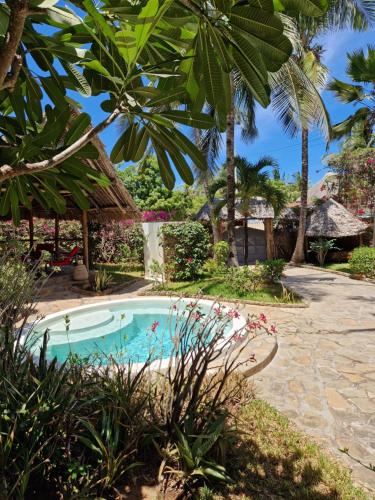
(122, 273)
(215, 286)
(272, 460)
(343, 267)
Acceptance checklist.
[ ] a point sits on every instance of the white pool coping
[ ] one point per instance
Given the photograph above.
(160, 364)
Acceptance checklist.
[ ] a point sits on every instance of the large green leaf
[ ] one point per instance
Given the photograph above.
(77, 128)
(189, 149)
(263, 24)
(196, 120)
(166, 171)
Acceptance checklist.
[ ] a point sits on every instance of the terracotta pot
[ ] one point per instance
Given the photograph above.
(80, 273)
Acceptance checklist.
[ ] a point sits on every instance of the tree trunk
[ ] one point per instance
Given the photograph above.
(299, 252)
(246, 235)
(211, 207)
(373, 231)
(9, 61)
(231, 188)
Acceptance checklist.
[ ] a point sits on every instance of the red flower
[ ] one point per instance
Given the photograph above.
(154, 326)
(263, 318)
(233, 313)
(197, 316)
(218, 311)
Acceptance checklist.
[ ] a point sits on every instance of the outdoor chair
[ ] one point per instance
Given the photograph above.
(68, 259)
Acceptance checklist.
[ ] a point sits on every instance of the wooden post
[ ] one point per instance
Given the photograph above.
(31, 229)
(57, 237)
(268, 226)
(85, 239)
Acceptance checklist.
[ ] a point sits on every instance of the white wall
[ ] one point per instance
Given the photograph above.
(152, 248)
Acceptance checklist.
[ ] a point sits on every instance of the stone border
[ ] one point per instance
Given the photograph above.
(333, 271)
(168, 293)
(109, 291)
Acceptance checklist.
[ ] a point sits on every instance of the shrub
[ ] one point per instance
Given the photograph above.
(321, 247)
(101, 280)
(78, 431)
(221, 253)
(116, 242)
(243, 280)
(362, 261)
(273, 269)
(186, 246)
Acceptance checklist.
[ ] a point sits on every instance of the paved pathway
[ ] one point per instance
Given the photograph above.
(323, 377)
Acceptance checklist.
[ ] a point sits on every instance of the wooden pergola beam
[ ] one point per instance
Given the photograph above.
(85, 239)
(268, 226)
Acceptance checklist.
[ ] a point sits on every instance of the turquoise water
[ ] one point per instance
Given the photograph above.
(119, 331)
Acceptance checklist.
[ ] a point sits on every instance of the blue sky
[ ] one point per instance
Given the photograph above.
(272, 140)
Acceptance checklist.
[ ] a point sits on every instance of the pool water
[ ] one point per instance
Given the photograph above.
(121, 330)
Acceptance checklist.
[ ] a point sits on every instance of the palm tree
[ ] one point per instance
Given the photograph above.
(299, 106)
(297, 85)
(241, 112)
(251, 182)
(360, 125)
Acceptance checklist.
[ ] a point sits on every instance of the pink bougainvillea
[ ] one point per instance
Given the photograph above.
(156, 215)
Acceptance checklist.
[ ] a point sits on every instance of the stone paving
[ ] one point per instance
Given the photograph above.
(323, 376)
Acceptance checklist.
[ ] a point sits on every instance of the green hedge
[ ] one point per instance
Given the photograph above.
(362, 261)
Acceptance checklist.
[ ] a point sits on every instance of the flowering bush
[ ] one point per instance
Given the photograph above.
(362, 261)
(156, 215)
(70, 232)
(116, 242)
(186, 246)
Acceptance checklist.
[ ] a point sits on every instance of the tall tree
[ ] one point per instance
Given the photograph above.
(124, 53)
(360, 125)
(296, 86)
(253, 181)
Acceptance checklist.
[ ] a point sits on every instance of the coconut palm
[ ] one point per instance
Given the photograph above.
(242, 112)
(360, 125)
(253, 181)
(296, 86)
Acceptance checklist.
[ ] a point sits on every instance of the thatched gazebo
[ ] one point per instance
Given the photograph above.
(332, 220)
(259, 210)
(106, 204)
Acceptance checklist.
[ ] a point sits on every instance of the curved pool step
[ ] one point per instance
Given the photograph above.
(83, 322)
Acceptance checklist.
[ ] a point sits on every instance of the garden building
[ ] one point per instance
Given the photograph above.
(106, 204)
(260, 227)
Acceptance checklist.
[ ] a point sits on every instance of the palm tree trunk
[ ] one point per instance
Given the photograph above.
(211, 208)
(246, 234)
(233, 259)
(299, 252)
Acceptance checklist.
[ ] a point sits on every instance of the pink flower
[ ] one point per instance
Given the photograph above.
(272, 329)
(251, 325)
(233, 313)
(191, 305)
(218, 311)
(154, 326)
(189, 259)
(174, 307)
(262, 318)
(197, 316)
(237, 337)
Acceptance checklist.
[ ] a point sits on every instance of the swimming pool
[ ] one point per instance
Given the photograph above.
(125, 330)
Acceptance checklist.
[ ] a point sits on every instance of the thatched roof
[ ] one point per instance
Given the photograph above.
(111, 203)
(289, 214)
(332, 220)
(258, 209)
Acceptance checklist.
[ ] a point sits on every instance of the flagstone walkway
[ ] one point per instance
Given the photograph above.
(323, 376)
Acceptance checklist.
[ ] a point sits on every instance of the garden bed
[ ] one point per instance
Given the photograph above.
(274, 295)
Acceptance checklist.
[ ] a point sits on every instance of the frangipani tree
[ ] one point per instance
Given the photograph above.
(137, 57)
